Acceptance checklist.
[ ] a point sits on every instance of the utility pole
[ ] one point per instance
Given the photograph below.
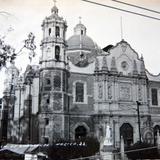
(139, 122)
(20, 87)
(29, 79)
(19, 125)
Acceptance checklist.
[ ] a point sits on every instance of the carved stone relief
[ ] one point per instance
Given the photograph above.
(139, 92)
(124, 47)
(57, 104)
(125, 92)
(109, 91)
(57, 127)
(100, 91)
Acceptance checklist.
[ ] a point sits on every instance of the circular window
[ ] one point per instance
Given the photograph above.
(124, 65)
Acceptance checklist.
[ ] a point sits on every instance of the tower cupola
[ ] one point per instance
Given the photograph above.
(54, 10)
(80, 29)
(53, 43)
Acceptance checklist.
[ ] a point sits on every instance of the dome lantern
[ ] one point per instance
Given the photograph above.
(80, 29)
(54, 9)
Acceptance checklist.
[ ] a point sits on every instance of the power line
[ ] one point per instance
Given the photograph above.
(129, 151)
(123, 10)
(132, 5)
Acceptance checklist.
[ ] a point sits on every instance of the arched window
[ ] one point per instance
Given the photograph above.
(156, 129)
(57, 31)
(80, 132)
(81, 32)
(57, 53)
(126, 131)
(49, 31)
(154, 96)
(47, 100)
(79, 92)
(46, 140)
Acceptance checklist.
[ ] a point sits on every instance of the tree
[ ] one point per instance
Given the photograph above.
(9, 54)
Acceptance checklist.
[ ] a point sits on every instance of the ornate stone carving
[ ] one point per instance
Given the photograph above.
(82, 60)
(109, 91)
(143, 73)
(57, 102)
(96, 65)
(135, 71)
(57, 126)
(100, 91)
(104, 66)
(113, 65)
(139, 92)
(125, 92)
(124, 65)
(57, 82)
(124, 47)
(147, 131)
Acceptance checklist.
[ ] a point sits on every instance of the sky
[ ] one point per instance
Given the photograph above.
(103, 26)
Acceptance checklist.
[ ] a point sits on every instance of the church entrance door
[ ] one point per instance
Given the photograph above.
(80, 132)
(156, 129)
(126, 130)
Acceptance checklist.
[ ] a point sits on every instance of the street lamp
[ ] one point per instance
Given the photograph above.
(139, 122)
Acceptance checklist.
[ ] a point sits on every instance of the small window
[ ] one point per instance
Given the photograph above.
(0, 103)
(81, 32)
(79, 92)
(154, 96)
(57, 31)
(49, 31)
(46, 140)
(46, 121)
(57, 53)
(48, 81)
(48, 100)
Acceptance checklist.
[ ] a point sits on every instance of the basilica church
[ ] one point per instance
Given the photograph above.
(78, 90)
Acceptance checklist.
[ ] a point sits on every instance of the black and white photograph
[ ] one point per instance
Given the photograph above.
(79, 79)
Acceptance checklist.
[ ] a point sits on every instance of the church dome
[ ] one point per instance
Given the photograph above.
(81, 48)
(82, 42)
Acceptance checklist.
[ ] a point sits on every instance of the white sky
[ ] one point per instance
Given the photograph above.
(103, 25)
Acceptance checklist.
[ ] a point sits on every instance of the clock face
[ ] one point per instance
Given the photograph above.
(124, 65)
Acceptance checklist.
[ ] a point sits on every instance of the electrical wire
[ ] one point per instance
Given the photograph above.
(129, 151)
(132, 5)
(123, 10)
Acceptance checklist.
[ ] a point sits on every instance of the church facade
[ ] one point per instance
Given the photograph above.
(79, 90)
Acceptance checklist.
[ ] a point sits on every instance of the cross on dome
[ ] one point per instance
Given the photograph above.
(54, 2)
(54, 9)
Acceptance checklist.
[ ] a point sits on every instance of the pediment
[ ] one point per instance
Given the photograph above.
(126, 59)
(123, 48)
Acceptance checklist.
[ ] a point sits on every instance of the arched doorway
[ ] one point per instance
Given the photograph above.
(126, 130)
(155, 130)
(80, 132)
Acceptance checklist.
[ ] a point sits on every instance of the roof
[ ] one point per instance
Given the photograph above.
(151, 77)
(20, 149)
(80, 42)
(89, 69)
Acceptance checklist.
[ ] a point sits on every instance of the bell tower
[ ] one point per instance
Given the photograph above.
(53, 42)
(53, 79)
